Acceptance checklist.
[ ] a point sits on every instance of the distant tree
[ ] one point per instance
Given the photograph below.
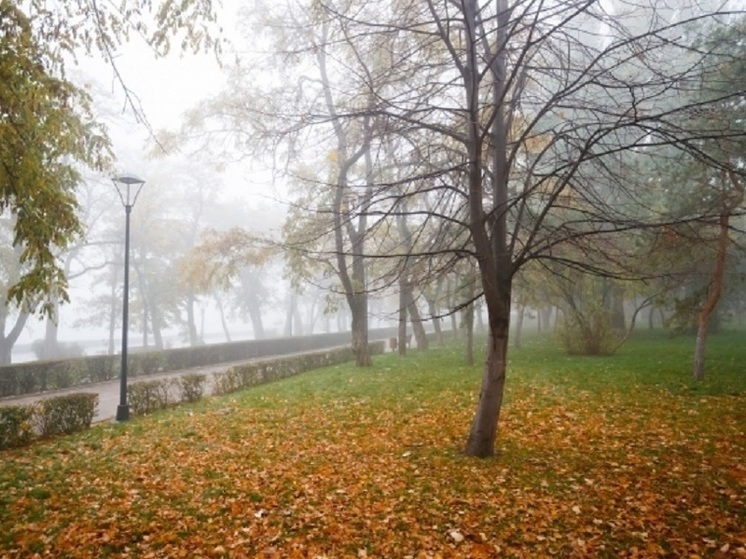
(230, 261)
(702, 189)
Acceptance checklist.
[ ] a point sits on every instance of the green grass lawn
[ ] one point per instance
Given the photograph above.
(619, 456)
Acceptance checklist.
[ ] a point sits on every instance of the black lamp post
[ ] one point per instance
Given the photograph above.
(128, 187)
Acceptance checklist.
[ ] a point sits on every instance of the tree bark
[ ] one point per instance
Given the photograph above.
(481, 441)
(360, 331)
(716, 288)
(51, 331)
(489, 231)
(435, 319)
(223, 322)
(518, 330)
(191, 322)
(402, 330)
(415, 319)
(7, 342)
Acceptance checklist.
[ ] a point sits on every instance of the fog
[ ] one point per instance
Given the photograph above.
(317, 145)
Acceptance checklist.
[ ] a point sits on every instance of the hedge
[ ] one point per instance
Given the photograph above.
(41, 376)
(148, 396)
(66, 414)
(19, 425)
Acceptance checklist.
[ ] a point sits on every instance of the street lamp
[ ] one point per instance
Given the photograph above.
(128, 188)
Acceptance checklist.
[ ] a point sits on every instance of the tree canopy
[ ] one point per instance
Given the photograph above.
(48, 132)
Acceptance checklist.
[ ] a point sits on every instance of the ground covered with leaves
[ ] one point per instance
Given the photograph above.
(606, 457)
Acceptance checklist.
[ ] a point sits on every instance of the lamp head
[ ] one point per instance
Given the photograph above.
(128, 178)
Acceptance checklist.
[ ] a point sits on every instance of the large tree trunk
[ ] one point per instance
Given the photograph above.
(481, 441)
(489, 229)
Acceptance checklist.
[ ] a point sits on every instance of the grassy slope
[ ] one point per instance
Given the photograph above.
(600, 457)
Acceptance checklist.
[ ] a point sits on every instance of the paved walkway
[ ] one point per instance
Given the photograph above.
(108, 392)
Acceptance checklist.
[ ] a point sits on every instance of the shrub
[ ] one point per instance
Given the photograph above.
(588, 333)
(65, 414)
(192, 386)
(149, 395)
(15, 426)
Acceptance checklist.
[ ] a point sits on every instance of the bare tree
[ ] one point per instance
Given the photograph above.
(518, 127)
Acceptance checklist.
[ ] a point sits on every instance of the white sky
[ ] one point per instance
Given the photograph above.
(166, 88)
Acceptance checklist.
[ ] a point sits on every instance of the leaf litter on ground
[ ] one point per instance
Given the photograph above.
(366, 463)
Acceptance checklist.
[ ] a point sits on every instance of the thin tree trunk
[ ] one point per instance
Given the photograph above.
(490, 237)
(518, 330)
(478, 315)
(469, 329)
(112, 312)
(432, 308)
(289, 315)
(435, 319)
(360, 331)
(402, 331)
(223, 322)
(194, 339)
(157, 323)
(7, 342)
(51, 331)
(468, 291)
(716, 288)
(415, 319)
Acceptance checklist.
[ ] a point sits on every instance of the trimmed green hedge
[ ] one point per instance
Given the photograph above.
(19, 425)
(67, 414)
(16, 426)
